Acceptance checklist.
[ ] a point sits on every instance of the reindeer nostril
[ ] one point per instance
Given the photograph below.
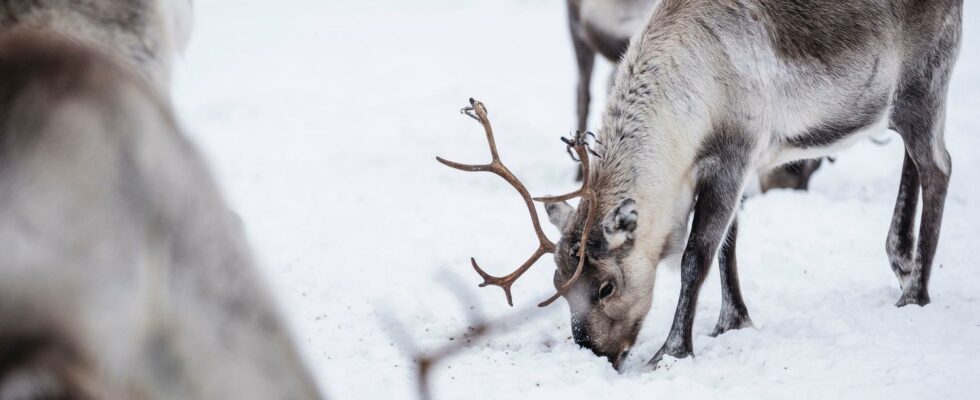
(582, 340)
(580, 334)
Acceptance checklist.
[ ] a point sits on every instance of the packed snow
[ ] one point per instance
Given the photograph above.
(322, 120)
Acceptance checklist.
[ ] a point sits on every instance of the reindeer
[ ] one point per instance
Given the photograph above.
(144, 35)
(123, 274)
(604, 27)
(711, 91)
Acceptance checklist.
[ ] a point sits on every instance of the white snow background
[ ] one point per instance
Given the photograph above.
(322, 120)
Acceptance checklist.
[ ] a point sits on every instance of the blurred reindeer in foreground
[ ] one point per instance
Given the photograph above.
(123, 275)
(604, 27)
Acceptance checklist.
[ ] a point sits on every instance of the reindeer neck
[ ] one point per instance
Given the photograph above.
(653, 126)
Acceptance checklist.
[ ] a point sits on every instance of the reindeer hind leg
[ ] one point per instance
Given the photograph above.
(901, 235)
(932, 166)
(919, 117)
(585, 60)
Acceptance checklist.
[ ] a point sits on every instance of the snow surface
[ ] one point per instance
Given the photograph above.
(322, 120)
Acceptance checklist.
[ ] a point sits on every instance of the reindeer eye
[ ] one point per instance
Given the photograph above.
(606, 289)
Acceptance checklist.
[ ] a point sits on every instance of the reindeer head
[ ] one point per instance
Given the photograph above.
(607, 302)
(794, 175)
(593, 257)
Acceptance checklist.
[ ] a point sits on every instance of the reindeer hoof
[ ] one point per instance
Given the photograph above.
(909, 296)
(676, 353)
(730, 323)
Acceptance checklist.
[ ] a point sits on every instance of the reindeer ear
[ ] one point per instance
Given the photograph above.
(559, 214)
(619, 224)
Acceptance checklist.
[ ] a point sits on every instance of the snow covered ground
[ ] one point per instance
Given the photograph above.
(322, 119)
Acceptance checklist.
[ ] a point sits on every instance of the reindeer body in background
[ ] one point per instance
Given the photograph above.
(711, 92)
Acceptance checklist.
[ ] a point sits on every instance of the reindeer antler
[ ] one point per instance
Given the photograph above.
(581, 147)
(478, 112)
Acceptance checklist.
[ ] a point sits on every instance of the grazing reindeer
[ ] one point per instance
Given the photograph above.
(604, 27)
(794, 175)
(711, 91)
(123, 275)
(144, 35)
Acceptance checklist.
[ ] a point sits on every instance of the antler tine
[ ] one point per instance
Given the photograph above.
(577, 144)
(478, 112)
(426, 360)
(505, 282)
